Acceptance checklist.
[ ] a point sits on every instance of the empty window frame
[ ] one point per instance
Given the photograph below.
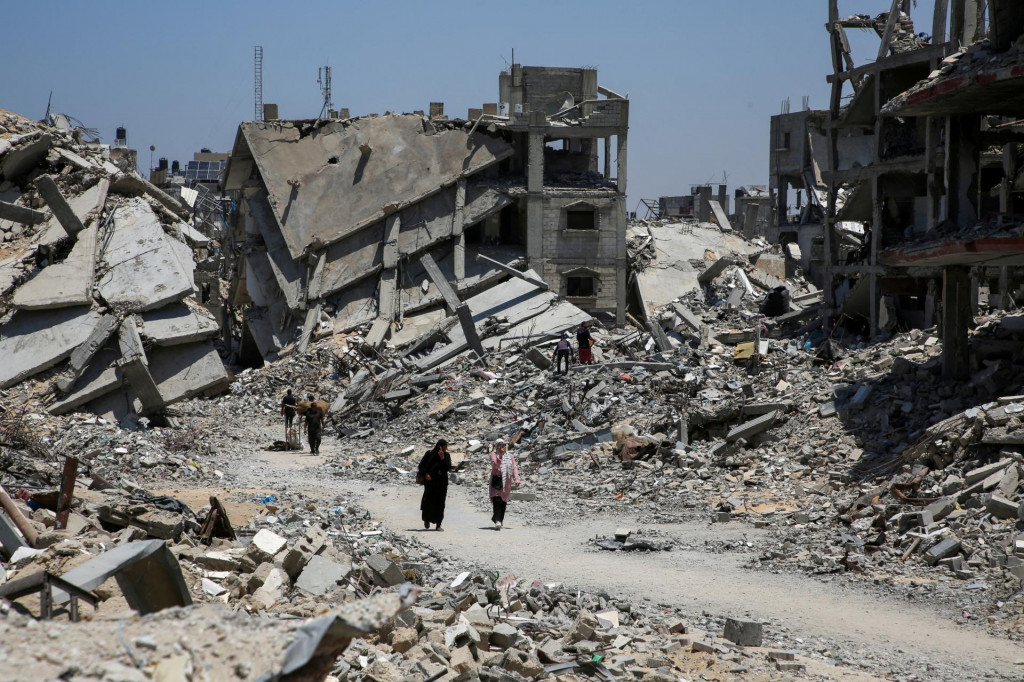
(581, 219)
(580, 287)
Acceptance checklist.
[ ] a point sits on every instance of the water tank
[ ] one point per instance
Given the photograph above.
(175, 167)
(161, 164)
(122, 134)
(205, 150)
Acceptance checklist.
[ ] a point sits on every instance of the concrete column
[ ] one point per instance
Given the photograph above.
(956, 317)
(1004, 288)
(458, 230)
(974, 293)
(535, 200)
(608, 157)
(931, 299)
(876, 236)
(620, 160)
(704, 204)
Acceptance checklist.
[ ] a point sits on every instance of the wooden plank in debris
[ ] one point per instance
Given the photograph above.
(451, 299)
(23, 524)
(543, 286)
(67, 492)
(62, 210)
(21, 214)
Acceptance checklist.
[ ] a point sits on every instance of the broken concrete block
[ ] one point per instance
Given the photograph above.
(981, 473)
(273, 589)
(385, 571)
(538, 357)
(321, 575)
(1002, 508)
(945, 548)
(522, 663)
(265, 545)
(753, 427)
(504, 636)
(709, 647)
(462, 660)
(292, 561)
(259, 577)
(36, 340)
(743, 632)
(403, 639)
(941, 508)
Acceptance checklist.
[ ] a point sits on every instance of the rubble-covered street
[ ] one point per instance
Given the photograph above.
(761, 435)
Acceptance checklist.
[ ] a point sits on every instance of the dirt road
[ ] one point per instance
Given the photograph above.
(873, 628)
(696, 581)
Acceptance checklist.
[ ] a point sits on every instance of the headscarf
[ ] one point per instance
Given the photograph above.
(507, 463)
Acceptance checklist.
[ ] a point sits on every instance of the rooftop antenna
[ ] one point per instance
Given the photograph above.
(323, 79)
(258, 73)
(49, 100)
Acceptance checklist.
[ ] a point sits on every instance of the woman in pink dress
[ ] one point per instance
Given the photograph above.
(504, 476)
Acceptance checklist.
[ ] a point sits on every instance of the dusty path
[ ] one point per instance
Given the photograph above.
(692, 580)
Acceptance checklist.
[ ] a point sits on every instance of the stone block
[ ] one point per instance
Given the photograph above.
(945, 548)
(321, 575)
(504, 636)
(292, 560)
(1001, 508)
(259, 577)
(386, 572)
(403, 639)
(462, 660)
(940, 509)
(743, 632)
(273, 589)
(522, 663)
(266, 545)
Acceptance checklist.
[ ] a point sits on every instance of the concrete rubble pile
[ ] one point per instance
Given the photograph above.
(98, 273)
(304, 565)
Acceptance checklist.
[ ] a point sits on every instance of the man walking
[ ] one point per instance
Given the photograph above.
(314, 425)
(288, 410)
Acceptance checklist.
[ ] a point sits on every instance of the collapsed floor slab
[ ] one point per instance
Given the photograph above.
(36, 340)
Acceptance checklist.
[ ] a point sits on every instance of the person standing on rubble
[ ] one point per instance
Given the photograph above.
(563, 349)
(314, 425)
(585, 341)
(288, 410)
(433, 469)
(504, 476)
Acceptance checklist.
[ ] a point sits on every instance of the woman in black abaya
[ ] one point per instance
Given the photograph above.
(434, 468)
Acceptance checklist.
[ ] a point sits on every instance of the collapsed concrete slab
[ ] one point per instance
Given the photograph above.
(36, 340)
(64, 284)
(178, 323)
(145, 268)
(186, 370)
(90, 202)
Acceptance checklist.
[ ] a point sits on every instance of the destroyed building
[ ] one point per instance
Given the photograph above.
(340, 221)
(98, 278)
(911, 165)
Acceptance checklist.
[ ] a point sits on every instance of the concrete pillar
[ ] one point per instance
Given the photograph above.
(620, 160)
(535, 200)
(458, 230)
(704, 204)
(608, 157)
(931, 300)
(975, 284)
(956, 317)
(1004, 288)
(782, 207)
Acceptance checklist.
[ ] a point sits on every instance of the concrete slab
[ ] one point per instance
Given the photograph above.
(347, 178)
(24, 157)
(178, 323)
(36, 340)
(186, 370)
(64, 284)
(100, 378)
(671, 275)
(289, 273)
(82, 205)
(145, 268)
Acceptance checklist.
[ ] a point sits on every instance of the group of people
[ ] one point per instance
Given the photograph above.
(563, 349)
(433, 474)
(313, 418)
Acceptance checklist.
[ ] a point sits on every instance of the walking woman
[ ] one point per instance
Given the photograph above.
(504, 475)
(434, 468)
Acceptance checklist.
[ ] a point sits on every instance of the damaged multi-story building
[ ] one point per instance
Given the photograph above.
(349, 222)
(912, 174)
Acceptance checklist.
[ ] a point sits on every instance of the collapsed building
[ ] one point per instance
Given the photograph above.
(98, 273)
(911, 174)
(380, 220)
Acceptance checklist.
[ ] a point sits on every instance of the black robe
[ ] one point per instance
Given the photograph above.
(435, 491)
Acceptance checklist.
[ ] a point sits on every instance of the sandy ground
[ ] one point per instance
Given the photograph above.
(820, 612)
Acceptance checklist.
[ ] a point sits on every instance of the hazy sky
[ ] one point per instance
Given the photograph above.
(702, 77)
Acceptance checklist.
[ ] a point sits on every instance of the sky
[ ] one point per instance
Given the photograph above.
(703, 78)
